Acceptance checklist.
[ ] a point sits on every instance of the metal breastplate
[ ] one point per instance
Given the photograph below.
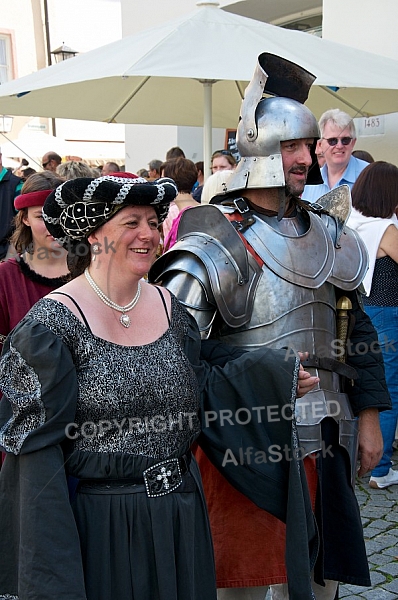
(295, 308)
(294, 304)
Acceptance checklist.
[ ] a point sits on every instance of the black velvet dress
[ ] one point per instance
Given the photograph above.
(83, 411)
(123, 409)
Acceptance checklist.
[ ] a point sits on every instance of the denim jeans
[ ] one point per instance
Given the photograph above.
(385, 321)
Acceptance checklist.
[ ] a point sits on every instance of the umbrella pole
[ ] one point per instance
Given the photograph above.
(207, 125)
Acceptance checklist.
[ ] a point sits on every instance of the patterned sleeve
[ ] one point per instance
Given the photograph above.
(38, 380)
(39, 544)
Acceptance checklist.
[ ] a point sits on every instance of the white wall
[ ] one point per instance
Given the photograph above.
(82, 25)
(146, 142)
(14, 21)
(138, 15)
(370, 26)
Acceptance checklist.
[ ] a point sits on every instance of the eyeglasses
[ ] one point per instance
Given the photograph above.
(45, 164)
(346, 141)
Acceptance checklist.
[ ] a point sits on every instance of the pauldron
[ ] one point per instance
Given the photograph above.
(219, 264)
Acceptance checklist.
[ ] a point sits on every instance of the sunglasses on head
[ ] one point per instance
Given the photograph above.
(333, 141)
(223, 152)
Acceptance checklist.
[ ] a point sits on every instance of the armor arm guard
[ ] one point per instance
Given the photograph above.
(369, 390)
(194, 292)
(209, 272)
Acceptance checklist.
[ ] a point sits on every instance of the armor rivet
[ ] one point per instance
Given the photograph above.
(226, 262)
(250, 133)
(298, 420)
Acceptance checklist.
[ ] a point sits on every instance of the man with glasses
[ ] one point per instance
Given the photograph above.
(50, 161)
(336, 144)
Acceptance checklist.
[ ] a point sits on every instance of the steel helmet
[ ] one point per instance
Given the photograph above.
(266, 122)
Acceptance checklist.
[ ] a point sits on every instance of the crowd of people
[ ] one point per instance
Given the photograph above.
(184, 409)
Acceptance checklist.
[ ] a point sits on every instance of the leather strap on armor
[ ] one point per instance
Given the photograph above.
(330, 364)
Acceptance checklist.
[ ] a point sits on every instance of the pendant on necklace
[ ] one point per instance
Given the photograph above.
(125, 320)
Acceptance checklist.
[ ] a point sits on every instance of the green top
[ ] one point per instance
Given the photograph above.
(3, 172)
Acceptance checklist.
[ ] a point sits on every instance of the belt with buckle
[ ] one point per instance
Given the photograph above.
(160, 479)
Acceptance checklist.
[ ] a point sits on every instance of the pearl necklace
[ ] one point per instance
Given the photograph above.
(124, 319)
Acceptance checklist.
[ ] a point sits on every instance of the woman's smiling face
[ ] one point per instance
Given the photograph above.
(129, 240)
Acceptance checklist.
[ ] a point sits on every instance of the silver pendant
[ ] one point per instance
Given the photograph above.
(125, 320)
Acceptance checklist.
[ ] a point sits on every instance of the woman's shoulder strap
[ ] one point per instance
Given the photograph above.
(77, 306)
(164, 303)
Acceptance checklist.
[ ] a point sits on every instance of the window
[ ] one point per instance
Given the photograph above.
(5, 58)
(310, 24)
(309, 20)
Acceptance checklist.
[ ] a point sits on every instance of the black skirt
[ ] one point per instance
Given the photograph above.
(134, 546)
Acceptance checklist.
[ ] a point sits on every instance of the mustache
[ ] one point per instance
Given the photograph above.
(299, 170)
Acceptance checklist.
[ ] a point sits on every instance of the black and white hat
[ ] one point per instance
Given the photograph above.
(79, 206)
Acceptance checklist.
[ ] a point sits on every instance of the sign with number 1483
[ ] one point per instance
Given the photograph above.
(370, 125)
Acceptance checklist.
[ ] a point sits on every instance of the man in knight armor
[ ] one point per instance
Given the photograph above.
(260, 267)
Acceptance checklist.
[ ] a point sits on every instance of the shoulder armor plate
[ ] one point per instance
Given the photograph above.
(206, 235)
(351, 262)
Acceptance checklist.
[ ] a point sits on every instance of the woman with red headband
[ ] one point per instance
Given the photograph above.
(40, 265)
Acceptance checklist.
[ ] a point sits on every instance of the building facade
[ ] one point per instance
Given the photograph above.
(363, 24)
(30, 30)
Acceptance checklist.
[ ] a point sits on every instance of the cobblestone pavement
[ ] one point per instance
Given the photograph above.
(379, 511)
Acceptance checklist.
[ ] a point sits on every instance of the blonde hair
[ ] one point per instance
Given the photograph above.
(337, 118)
(214, 185)
(71, 169)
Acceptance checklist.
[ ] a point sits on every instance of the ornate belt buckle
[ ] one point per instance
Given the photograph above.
(162, 478)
